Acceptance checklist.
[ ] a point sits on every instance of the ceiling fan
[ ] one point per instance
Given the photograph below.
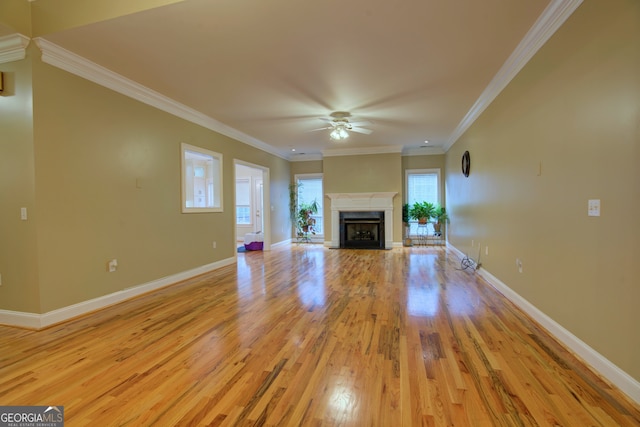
(341, 126)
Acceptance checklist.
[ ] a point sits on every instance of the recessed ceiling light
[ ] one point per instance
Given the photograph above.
(293, 149)
(426, 141)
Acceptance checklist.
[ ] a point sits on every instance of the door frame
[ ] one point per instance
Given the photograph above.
(266, 197)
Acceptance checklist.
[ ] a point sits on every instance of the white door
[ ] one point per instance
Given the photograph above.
(258, 197)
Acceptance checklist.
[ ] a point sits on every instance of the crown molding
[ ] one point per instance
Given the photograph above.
(547, 24)
(13, 47)
(412, 151)
(423, 150)
(59, 57)
(386, 149)
(304, 157)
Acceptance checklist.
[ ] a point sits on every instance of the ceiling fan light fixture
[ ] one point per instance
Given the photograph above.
(339, 133)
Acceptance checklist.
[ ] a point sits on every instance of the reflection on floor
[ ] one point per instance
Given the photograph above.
(303, 335)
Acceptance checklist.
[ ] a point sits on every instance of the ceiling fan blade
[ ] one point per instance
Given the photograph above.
(361, 130)
(325, 128)
(360, 123)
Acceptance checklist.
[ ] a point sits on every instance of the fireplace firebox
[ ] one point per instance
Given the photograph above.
(362, 230)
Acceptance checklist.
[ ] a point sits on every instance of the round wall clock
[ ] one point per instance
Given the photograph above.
(466, 163)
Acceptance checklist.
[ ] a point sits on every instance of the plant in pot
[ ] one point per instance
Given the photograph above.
(405, 214)
(422, 211)
(293, 203)
(440, 215)
(405, 223)
(305, 222)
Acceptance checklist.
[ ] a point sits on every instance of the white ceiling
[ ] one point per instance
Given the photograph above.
(273, 69)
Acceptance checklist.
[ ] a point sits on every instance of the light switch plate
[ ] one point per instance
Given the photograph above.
(594, 207)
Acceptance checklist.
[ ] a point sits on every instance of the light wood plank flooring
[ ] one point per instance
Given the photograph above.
(305, 335)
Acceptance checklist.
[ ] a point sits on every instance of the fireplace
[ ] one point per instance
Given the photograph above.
(362, 230)
(349, 203)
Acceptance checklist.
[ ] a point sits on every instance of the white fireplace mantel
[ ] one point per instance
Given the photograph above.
(350, 202)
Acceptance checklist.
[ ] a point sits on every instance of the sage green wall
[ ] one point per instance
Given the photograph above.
(309, 166)
(364, 174)
(19, 290)
(90, 148)
(564, 131)
(16, 16)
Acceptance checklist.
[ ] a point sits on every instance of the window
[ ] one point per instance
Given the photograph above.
(243, 207)
(243, 215)
(422, 185)
(201, 180)
(310, 189)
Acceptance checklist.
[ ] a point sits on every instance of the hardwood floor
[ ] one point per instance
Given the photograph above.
(305, 335)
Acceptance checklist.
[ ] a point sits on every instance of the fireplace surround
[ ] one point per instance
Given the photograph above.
(363, 202)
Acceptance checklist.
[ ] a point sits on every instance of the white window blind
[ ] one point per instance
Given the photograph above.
(422, 187)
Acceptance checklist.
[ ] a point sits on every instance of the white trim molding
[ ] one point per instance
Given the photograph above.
(303, 157)
(13, 47)
(547, 24)
(386, 149)
(600, 364)
(59, 57)
(423, 150)
(39, 321)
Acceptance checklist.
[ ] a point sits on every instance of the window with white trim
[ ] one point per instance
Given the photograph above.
(201, 180)
(423, 185)
(310, 189)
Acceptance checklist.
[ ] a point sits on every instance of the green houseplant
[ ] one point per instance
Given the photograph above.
(293, 203)
(405, 223)
(440, 215)
(405, 214)
(305, 222)
(422, 211)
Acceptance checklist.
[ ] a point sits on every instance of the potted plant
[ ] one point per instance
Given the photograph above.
(405, 214)
(293, 203)
(440, 215)
(405, 222)
(305, 221)
(422, 211)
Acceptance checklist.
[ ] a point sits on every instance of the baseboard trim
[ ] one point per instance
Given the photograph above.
(20, 319)
(40, 321)
(281, 243)
(600, 364)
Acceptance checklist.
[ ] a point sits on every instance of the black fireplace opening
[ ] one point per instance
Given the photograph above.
(362, 230)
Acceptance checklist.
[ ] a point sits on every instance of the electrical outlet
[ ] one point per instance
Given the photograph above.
(486, 250)
(0, 279)
(215, 244)
(472, 243)
(112, 265)
(519, 265)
